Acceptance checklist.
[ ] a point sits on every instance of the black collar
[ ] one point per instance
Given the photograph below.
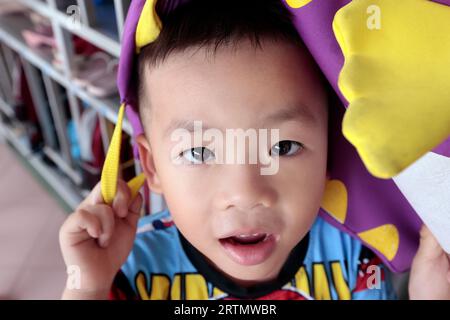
(212, 275)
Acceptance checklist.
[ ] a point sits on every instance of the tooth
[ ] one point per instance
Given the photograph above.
(243, 236)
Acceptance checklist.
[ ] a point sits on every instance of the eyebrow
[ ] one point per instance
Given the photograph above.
(183, 124)
(295, 113)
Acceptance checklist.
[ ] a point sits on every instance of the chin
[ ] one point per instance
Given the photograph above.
(257, 273)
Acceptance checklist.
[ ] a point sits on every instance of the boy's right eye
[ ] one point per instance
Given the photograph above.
(198, 155)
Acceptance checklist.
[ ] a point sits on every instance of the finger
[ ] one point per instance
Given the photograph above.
(94, 197)
(134, 211)
(80, 226)
(429, 248)
(105, 214)
(122, 199)
(448, 264)
(136, 205)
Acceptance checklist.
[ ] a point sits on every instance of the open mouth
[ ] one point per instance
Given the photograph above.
(249, 249)
(247, 239)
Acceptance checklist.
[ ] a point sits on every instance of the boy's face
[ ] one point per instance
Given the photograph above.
(243, 222)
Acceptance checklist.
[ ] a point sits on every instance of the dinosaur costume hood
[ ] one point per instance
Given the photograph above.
(389, 64)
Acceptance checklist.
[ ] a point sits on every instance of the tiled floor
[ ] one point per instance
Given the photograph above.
(31, 266)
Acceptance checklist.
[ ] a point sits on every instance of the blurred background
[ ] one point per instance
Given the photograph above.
(58, 107)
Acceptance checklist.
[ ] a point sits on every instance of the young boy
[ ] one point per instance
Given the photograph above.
(229, 231)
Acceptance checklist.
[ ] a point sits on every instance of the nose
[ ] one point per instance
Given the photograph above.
(243, 187)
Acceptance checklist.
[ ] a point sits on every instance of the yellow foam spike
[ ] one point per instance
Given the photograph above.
(384, 238)
(297, 3)
(149, 25)
(135, 184)
(110, 170)
(335, 200)
(396, 79)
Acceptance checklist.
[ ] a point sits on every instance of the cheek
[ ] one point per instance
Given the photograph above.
(301, 206)
(302, 186)
(185, 204)
(185, 199)
(304, 179)
(188, 212)
(184, 192)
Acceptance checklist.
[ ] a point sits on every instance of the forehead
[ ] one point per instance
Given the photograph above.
(235, 82)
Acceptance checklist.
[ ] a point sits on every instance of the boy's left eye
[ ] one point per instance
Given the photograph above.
(198, 155)
(286, 148)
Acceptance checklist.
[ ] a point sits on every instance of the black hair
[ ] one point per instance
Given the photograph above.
(211, 24)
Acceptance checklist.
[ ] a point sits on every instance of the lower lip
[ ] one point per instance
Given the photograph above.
(250, 254)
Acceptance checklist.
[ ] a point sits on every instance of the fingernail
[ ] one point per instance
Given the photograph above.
(136, 205)
(123, 211)
(103, 243)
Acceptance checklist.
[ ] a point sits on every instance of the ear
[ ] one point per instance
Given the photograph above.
(148, 164)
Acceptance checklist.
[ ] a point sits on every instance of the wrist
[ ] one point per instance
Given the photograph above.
(86, 286)
(82, 294)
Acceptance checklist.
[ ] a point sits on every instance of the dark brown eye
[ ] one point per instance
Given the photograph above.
(198, 155)
(286, 148)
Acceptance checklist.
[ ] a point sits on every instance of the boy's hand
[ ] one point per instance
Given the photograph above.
(97, 238)
(430, 272)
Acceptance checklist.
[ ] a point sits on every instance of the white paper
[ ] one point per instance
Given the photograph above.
(426, 185)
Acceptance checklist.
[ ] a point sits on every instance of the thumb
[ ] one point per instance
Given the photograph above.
(429, 248)
(134, 210)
